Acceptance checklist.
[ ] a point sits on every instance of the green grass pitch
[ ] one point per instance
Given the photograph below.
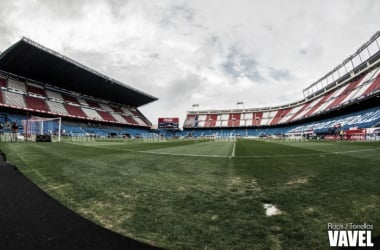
(210, 194)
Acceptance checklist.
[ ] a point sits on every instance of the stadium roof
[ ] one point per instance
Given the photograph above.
(31, 60)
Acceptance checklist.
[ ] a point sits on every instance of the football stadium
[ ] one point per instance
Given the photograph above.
(82, 167)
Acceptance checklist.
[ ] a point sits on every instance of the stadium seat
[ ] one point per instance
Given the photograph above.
(374, 85)
(224, 119)
(75, 110)
(116, 109)
(256, 118)
(345, 92)
(57, 107)
(92, 113)
(3, 82)
(279, 115)
(105, 107)
(93, 104)
(318, 105)
(309, 108)
(1, 96)
(14, 99)
(34, 90)
(17, 85)
(361, 119)
(211, 120)
(234, 120)
(106, 116)
(130, 120)
(70, 99)
(139, 118)
(54, 95)
(190, 121)
(37, 104)
(82, 102)
(119, 118)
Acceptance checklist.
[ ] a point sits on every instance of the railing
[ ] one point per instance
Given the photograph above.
(367, 55)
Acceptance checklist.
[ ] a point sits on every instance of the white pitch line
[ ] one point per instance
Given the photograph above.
(159, 153)
(58, 187)
(173, 154)
(313, 154)
(241, 156)
(233, 150)
(356, 151)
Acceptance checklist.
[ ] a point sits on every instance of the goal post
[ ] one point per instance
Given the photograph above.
(36, 128)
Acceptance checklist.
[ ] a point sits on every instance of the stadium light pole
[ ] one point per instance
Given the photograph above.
(196, 106)
(241, 104)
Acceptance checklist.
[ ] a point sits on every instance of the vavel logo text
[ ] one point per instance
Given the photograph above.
(350, 235)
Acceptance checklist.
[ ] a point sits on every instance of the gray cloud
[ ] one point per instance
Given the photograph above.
(241, 65)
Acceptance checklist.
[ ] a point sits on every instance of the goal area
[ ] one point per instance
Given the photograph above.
(42, 129)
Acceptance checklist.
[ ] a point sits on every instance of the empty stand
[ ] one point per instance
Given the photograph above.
(106, 116)
(116, 109)
(224, 120)
(293, 112)
(248, 119)
(14, 99)
(105, 107)
(324, 103)
(91, 113)
(57, 107)
(365, 118)
(374, 88)
(3, 82)
(71, 99)
(211, 120)
(346, 91)
(129, 120)
(75, 110)
(234, 120)
(118, 118)
(34, 90)
(17, 85)
(267, 117)
(82, 102)
(256, 118)
(37, 104)
(313, 108)
(280, 114)
(92, 104)
(54, 95)
(374, 84)
(190, 121)
(140, 121)
(201, 120)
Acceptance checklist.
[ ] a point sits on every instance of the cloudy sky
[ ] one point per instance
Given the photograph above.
(209, 52)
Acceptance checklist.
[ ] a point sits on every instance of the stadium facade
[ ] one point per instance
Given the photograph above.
(37, 81)
(345, 98)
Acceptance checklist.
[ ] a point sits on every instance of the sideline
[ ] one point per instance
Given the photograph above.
(237, 156)
(29, 168)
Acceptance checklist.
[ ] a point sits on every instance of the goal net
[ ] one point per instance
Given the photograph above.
(42, 129)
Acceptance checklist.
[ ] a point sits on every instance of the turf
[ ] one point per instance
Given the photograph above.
(194, 194)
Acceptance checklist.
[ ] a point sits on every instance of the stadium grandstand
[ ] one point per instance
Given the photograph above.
(39, 83)
(345, 98)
